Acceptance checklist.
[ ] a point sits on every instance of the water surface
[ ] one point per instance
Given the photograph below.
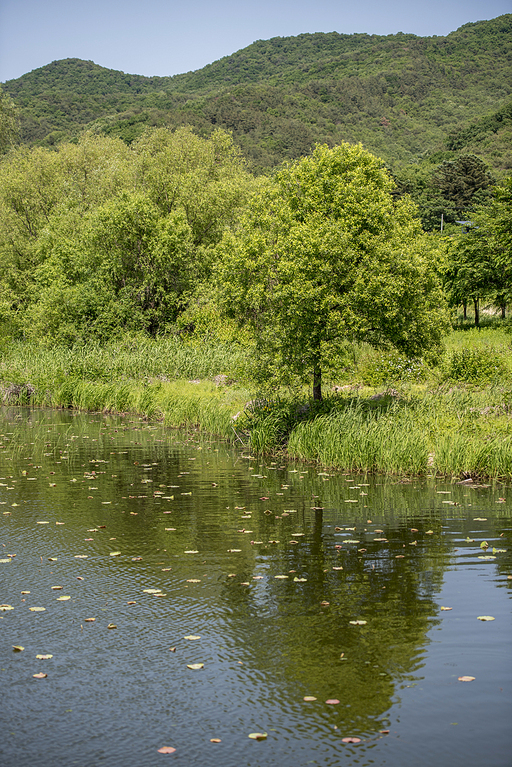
(298, 582)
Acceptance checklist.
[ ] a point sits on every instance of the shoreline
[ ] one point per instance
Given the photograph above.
(412, 432)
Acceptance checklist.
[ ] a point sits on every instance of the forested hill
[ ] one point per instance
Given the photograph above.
(403, 96)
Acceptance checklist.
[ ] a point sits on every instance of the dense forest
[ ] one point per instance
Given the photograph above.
(406, 98)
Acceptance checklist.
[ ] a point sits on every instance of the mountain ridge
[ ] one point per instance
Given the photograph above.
(401, 95)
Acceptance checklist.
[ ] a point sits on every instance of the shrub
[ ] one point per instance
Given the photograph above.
(482, 365)
(392, 366)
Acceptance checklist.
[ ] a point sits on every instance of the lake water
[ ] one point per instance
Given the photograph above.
(284, 580)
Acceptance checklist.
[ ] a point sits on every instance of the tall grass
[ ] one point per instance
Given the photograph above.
(418, 428)
(132, 358)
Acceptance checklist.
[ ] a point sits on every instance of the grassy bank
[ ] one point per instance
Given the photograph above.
(448, 417)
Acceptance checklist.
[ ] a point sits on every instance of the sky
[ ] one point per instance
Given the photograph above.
(168, 37)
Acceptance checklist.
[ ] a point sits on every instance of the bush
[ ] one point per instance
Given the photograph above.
(392, 366)
(483, 365)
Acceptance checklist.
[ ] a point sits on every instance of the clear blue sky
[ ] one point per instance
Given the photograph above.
(167, 37)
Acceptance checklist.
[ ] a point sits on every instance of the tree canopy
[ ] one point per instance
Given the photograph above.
(325, 255)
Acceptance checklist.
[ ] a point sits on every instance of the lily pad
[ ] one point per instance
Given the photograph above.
(258, 736)
(486, 618)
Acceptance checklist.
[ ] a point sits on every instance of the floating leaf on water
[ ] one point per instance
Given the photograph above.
(4, 608)
(56, 588)
(258, 735)
(44, 657)
(337, 568)
(281, 577)
(332, 701)
(193, 580)
(152, 591)
(42, 523)
(192, 637)
(5, 560)
(52, 559)
(257, 577)
(446, 608)
(300, 580)
(18, 648)
(358, 623)
(63, 599)
(350, 541)
(166, 750)
(115, 553)
(195, 666)
(215, 740)
(89, 620)
(466, 678)
(25, 592)
(351, 500)
(77, 556)
(324, 603)
(230, 551)
(489, 556)
(37, 609)
(170, 529)
(484, 545)
(191, 551)
(486, 618)
(111, 626)
(309, 698)
(479, 519)
(351, 740)
(40, 676)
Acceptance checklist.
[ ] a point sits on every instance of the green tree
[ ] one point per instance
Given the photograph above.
(479, 263)
(325, 255)
(464, 182)
(127, 268)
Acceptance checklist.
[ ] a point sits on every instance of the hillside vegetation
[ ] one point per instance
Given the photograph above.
(404, 97)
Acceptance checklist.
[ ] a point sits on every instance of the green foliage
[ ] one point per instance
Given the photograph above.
(97, 238)
(479, 263)
(324, 256)
(390, 367)
(9, 122)
(462, 182)
(476, 366)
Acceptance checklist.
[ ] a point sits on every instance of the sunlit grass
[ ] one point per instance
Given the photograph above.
(433, 426)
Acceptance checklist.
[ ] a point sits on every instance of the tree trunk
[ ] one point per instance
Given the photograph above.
(477, 312)
(503, 310)
(317, 383)
(465, 310)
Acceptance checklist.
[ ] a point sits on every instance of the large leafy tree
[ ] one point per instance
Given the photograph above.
(479, 263)
(325, 255)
